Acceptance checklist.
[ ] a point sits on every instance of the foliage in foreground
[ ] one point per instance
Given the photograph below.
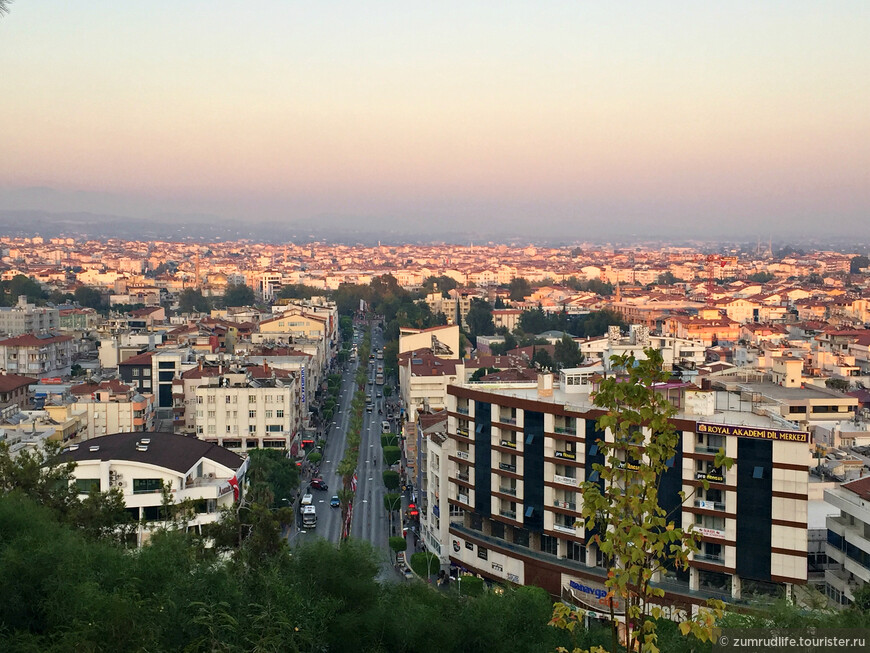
(65, 592)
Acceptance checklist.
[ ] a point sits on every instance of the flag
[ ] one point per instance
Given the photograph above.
(234, 483)
(353, 483)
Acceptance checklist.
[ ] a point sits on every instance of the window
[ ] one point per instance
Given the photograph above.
(497, 530)
(252, 414)
(268, 399)
(135, 371)
(576, 552)
(211, 399)
(199, 430)
(199, 399)
(85, 485)
(279, 414)
(252, 428)
(252, 399)
(146, 372)
(758, 472)
(199, 414)
(274, 428)
(143, 485)
(268, 414)
(227, 399)
(211, 429)
(549, 544)
(211, 414)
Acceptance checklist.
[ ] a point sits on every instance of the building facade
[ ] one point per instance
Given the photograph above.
(521, 453)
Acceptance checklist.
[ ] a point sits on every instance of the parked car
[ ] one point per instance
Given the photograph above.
(319, 484)
(334, 502)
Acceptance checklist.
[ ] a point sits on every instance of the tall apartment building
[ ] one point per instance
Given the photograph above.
(521, 453)
(36, 355)
(28, 318)
(848, 544)
(249, 410)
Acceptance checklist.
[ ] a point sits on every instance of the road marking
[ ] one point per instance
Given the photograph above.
(364, 501)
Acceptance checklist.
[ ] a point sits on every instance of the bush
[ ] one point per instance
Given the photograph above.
(391, 455)
(426, 564)
(470, 586)
(315, 457)
(389, 440)
(398, 544)
(391, 479)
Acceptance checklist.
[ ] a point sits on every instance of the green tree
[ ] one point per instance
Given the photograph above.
(838, 384)
(398, 544)
(21, 285)
(391, 455)
(636, 536)
(479, 318)
(425, 564)
(541, 358)
(534, 321)
(667, 279)
(191, 300)
(238, 295)
(858, 263)
(391, 479)
(499, 349)
(88, 297)
(519, 288)
(483, 371)
(761, 277)
(567, 353)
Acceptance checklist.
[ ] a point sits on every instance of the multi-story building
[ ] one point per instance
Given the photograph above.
(139, 465)
(28, 318)
(521, 453)
(681, 352)
(112, 407)
(255, 409)
(15, 390)
(37, 355)
(848, 544)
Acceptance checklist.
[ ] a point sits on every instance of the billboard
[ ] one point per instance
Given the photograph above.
(754, 432)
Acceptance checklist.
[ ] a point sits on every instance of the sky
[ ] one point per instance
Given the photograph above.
(557, 117)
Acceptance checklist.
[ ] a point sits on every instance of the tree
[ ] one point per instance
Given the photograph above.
(567, 353)
(858, 263)
(88, 297)
(510, 342)
(542, 359)
(192, 300)
(534, 321)
(238, 295)
(761, 277)
(398, 544)
(483, 371)
(391, 455)
(391, 479)
(479, 318)
(425, 564)
(519, 288)
(838, 384)
(622, 509)
(667, 279)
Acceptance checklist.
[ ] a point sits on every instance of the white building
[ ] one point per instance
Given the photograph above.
(141, 464)
(848, 540)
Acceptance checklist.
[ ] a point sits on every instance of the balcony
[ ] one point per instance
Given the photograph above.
(710, 505)
(562, 430)
(570, 505)
(703, 448)
(463, 477)
(508, 467)
(463, 498)
(504, 419)
(561, 528)
(703, 557)
(508, 490)
(462, 454)
(461, 410)
(510, 514)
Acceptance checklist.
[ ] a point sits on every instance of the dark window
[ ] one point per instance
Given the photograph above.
(549, 544)
(521, 537)
(475, 522)
(141, 485)
(85, 485)
(758, 472)
(497, 530)
(576, 552)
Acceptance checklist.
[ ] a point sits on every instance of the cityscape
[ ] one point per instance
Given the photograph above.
(330, 328)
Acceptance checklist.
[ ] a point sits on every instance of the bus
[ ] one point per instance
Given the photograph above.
(309, 516)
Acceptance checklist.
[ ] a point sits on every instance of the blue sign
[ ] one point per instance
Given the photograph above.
(597, 593)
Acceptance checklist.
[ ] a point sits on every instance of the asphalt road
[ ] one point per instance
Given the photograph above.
(370, 520)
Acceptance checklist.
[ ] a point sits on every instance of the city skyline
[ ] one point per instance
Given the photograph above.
(519, 119)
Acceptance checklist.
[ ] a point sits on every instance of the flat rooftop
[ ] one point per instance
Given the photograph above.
(781, 393)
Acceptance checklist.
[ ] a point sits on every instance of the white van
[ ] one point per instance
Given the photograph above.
(385, 427)
(307, 499)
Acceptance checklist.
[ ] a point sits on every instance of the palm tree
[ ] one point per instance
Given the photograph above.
(4, 6)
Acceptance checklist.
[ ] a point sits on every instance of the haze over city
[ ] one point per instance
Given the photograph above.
(491, 120)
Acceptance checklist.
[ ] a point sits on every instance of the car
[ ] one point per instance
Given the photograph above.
(369, 408)
(334, 502)
(307, 499)
(318, 484)
(380, 395)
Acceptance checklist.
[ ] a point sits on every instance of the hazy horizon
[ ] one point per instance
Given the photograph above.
(679, 120)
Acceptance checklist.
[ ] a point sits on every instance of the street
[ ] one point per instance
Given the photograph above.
(370, 521)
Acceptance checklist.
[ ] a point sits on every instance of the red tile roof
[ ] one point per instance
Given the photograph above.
(30, 340)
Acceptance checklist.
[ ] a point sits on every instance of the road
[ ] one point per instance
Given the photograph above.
(370, 521)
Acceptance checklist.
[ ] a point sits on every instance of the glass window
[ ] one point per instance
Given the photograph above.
(252, 414)
(279, 413)
(142, 485)
(85, 485)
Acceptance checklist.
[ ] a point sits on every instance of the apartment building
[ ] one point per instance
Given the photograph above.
(424, 378)
(28, 318)
(848, 543)
(522, 451)
(139, 465)
(675, 351)
(112, 407)
(250, 410)
(15, 390)
(37, 355)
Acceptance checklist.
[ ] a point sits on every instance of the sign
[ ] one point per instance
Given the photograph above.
(462, 454)
(567, 480)
(566, 455)
(508, 443)
(507, 467)
(303, 384)
(714, 475)
(513, 578)
(469, 545)
(456, 546)
(710, 532)
(497, 567)
(756, 433)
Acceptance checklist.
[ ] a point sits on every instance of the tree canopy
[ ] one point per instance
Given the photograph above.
(238, 295)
